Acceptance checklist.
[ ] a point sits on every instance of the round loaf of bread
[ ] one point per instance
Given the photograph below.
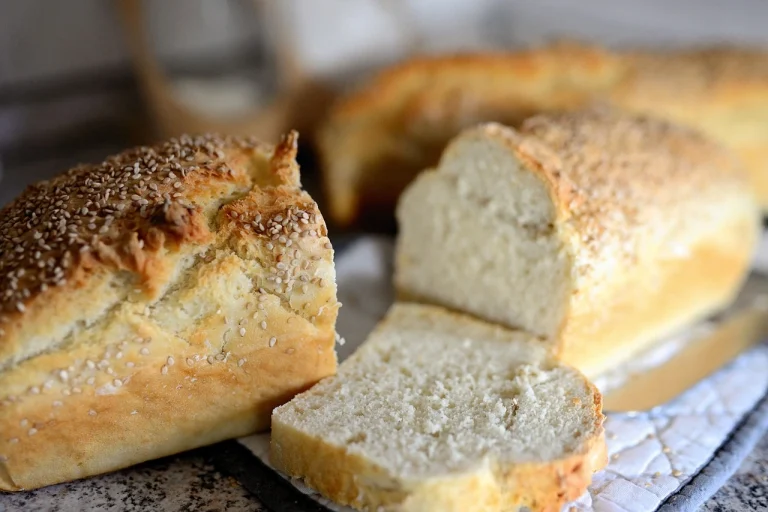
(167, 298)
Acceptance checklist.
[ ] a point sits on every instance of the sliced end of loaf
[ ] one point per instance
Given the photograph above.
(478, 235)
(439, 412)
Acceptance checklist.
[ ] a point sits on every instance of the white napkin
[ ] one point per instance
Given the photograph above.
(651, 454)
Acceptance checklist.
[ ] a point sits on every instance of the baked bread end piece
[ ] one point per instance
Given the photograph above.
(167, 298)
(438, 412)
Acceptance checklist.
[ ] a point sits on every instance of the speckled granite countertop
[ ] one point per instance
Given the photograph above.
(190, 482)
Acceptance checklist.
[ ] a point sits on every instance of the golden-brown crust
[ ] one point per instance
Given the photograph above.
(185, 317)
(398, 124)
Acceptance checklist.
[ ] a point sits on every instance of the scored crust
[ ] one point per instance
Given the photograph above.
(164, 299)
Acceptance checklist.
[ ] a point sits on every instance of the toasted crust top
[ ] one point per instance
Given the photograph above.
(716, 73)
(615, 175)
(136, 214)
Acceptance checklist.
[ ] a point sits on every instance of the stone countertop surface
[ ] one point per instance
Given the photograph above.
(190, 482)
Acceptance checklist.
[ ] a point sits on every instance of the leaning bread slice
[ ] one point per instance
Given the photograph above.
(438, 412)
(598, 231)
(167, 298)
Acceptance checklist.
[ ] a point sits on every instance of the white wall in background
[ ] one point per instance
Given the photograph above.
(46, 38)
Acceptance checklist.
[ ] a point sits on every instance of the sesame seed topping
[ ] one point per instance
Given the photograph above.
(57, 403)
(242, 332)
(63, 375)
(210, 359)
(190, 361)
(241, 362)
(32, 431)
(24, 422)
(130, 364)
(13, 440)
(164, 369)
(272, 341)
(92, 412)
(328, 245)
(117, 383)
(144, 351)
(47, 230)
(171, 361)
(263, 324)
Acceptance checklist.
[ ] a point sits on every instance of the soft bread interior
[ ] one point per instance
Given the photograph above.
(436, 397)
(478, 235)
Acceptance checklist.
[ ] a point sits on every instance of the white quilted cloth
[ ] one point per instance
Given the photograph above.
(651, 454)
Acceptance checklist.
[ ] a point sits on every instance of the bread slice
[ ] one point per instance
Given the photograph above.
(377, 139)
(438, 412)
(167, 298)
(598, 231)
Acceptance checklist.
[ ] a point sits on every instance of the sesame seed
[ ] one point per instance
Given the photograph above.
(241, 362)
(119, 355)
(263, 324)
(24, 422)
(34, 390)
(130, 364)
(92, 412)
(144, 351)
(32, 431)
(242, 332)
(272, 341)
(90, 381)
(210, 359)
(117, 383)
(90, 364)
(164, 369)
(171, 361)
(328, 245)
(13, 440)
(77, 391)
(57, 403)
(190, 361)
(220, 357)
(63, 375)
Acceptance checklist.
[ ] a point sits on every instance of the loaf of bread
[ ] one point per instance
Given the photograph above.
(165, 299)
(378, 138)
(598, 231)
(438, 412)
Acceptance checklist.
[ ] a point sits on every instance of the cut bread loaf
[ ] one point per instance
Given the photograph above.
(438, 412)
(165, 299)
(377, 139)
(598, 231)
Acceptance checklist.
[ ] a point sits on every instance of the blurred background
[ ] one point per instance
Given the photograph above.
(84, 78)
